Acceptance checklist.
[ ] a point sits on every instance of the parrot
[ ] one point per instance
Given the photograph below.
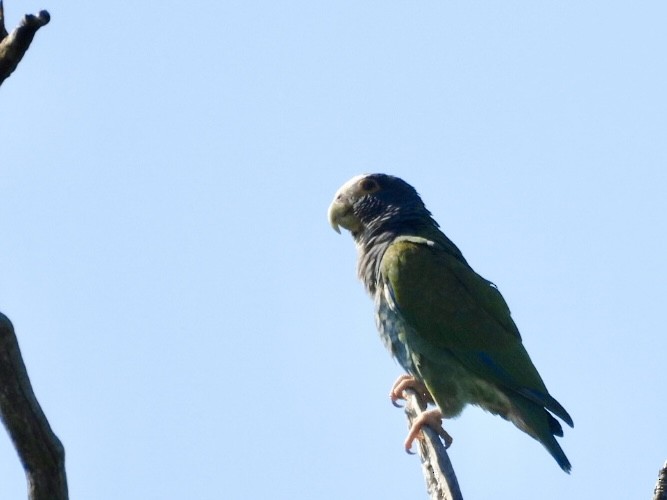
(449, 328)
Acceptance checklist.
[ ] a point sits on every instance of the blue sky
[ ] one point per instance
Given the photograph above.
(193, 327)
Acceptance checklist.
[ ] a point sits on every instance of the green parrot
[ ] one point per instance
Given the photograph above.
(449, 328)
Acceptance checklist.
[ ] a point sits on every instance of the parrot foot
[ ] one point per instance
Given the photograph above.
(432, 418)
(408, 382)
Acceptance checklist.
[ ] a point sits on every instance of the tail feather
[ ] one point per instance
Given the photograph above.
(535, 421)
(557, 452)
(549, 402)
(555, 427)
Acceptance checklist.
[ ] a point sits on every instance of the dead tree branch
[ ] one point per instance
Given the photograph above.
(660, 491)
(40, 451)
(441, 482)
(15, 44)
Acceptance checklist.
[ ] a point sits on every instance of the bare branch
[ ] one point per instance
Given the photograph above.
(40, 451)
(441, 482)
(660, 491)
(15, 44)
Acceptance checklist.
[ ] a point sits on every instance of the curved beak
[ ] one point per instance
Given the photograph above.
(341, 213)
(336, 210)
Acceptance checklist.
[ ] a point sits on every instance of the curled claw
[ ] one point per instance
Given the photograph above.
(397, 389)
(408, 382)
(432, 418)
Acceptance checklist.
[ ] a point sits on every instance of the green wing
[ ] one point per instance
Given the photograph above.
(452, 308)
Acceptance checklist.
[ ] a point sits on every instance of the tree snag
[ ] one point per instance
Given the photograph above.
(15, 44)
(40, 451)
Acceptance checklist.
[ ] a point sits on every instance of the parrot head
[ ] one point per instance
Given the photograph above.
(373, 203)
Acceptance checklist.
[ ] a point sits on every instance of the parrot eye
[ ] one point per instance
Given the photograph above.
(369, 185)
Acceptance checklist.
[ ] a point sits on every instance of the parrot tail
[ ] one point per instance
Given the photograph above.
(557, 452)
(535, 421)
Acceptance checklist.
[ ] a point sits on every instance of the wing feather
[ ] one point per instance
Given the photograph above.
(453, 309)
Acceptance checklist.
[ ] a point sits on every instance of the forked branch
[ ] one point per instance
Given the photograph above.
(14, 45)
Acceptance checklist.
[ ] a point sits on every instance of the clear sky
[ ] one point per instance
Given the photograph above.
(192, 326)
